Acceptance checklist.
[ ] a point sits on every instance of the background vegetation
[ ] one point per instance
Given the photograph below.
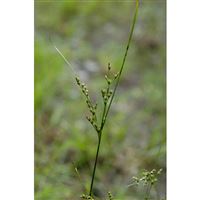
(91, 34)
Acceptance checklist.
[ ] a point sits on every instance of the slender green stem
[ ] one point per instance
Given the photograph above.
(106, 109)
(95, 163)
(124, 58)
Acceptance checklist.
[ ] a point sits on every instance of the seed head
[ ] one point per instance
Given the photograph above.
(109, 67)
(105, 99)
(103, 92)
(77, 80)
(108, 80)
(109, 93)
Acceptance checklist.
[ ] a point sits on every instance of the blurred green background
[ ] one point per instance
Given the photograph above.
(90, 34)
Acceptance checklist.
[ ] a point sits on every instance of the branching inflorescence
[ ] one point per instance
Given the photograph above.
(148, 179)
(108, 95)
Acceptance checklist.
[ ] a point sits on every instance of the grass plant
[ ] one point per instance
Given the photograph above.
(98, 122)
(108, 95)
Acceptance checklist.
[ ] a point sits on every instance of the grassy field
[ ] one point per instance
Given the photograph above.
(90, 34)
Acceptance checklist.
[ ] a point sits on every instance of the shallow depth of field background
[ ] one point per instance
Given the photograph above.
(90, 34)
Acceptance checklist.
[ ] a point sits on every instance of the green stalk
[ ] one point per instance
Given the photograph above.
(95, 164)
(124, 58)
(106, 109)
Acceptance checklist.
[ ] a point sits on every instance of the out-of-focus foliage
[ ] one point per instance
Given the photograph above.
(90, 34)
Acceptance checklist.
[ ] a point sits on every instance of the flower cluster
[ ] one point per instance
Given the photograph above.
(106, 94)
(92, 107)
(110, 196)
(83, 196)
(148, 177)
